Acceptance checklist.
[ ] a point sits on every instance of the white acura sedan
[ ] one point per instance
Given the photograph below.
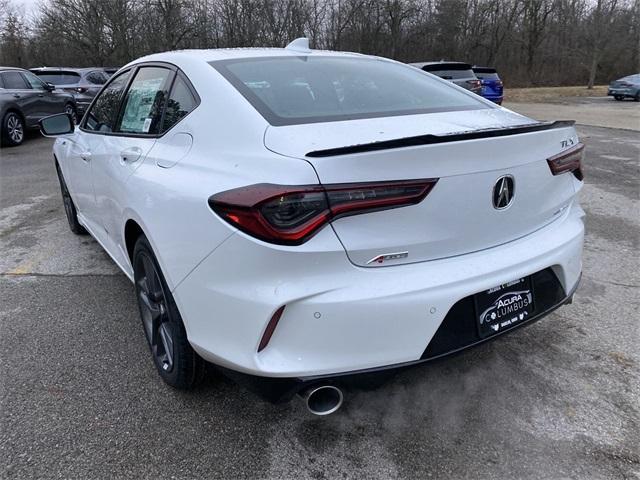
(303, 219)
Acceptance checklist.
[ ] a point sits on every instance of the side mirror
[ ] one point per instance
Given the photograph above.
(49, 87)
(56, 125)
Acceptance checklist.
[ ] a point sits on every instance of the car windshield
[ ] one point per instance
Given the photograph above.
(59, 78)
(306, 89)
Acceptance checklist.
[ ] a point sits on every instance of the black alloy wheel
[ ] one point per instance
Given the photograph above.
(176, 361)
(12, 129)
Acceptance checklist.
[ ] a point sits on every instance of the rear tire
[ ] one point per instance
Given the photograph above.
(12, 130)
(176, 361)
(69, 206)
(619, 97)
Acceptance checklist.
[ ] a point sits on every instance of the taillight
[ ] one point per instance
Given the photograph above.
(474, 83)
(290, 215)
(568, 161)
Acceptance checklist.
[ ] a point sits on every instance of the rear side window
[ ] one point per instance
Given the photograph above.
(14, 81)
(97, 78)
(145, 99)
(306, 89)
(181, 102)
(102, 115)
(59, 78)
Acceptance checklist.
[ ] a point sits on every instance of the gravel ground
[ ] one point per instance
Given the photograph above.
(593, 111)
(79, 397)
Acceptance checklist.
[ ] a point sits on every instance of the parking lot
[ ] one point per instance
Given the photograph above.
(80, 397)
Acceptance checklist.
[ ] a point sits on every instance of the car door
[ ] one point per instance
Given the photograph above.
(90, 144)
(23, 95)
(123, 151)
(48, 103)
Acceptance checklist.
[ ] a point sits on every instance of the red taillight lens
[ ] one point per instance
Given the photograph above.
(474, 83)
(568, 161)
(290, 215)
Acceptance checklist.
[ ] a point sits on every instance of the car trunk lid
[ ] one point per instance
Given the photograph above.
(458, 216)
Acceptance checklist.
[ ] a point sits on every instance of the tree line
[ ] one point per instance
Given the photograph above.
(530, 42)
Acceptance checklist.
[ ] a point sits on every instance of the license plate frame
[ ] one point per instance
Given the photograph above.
(504, 306)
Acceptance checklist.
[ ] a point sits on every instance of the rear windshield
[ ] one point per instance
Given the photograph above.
(59, 78)
(295, 90)
(487, 76)
(453, 74)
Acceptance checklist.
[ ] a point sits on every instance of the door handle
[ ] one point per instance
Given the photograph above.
(16, 95)
(86, 156)
(130, 155)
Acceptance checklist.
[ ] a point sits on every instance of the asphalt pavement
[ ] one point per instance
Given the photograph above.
(79, 396)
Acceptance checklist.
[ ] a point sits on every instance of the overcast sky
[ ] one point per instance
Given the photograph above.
(28, 5)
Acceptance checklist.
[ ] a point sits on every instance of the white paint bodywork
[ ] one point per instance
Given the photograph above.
(340, 315)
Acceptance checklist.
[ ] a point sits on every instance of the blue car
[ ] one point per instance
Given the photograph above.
(492, 88)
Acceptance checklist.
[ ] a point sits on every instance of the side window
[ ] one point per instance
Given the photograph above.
(33, 81)
(181, 102)
(96, 78)
(14, 81)
(102, 116)
(144, 101)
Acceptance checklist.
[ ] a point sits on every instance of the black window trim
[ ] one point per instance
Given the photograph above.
(133, 70)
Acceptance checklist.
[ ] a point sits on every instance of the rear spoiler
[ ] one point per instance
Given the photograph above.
(433, 139)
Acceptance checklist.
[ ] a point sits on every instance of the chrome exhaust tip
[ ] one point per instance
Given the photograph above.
(323, 399)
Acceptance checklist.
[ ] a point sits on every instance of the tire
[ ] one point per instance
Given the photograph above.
(176, 361)
(637, 97)
(12, 129)
(70, 110)
(69, 206)
(619, 97)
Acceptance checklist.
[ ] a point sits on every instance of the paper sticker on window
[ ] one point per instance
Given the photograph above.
(147, 125)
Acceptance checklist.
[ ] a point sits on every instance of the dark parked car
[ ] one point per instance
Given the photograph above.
(24, 100)
(625, 87)
(82, 83)
(492, 88)
(458, 72)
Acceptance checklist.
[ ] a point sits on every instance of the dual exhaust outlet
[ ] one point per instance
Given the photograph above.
(322, 399)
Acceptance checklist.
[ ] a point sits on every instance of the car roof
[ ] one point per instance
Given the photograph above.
(442, 65)
(5, 69)
(180, 57)
(65, 69)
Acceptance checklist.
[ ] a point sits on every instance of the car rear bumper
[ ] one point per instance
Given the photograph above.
(627, 92)
(342, 318)
(551, 295)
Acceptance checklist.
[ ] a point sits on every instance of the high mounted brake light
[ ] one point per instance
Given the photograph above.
(290, 215)
(568, 161)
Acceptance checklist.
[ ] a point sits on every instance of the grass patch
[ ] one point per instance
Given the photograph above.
(551, 94)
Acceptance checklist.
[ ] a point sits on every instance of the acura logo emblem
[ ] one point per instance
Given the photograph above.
(503, 192)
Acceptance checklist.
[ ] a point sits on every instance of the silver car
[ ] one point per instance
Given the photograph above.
(625, 87)
(24, 100)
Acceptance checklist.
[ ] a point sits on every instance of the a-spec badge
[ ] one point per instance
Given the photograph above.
(388, 256)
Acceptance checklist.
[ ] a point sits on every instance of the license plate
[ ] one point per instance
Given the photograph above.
(504, 306)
